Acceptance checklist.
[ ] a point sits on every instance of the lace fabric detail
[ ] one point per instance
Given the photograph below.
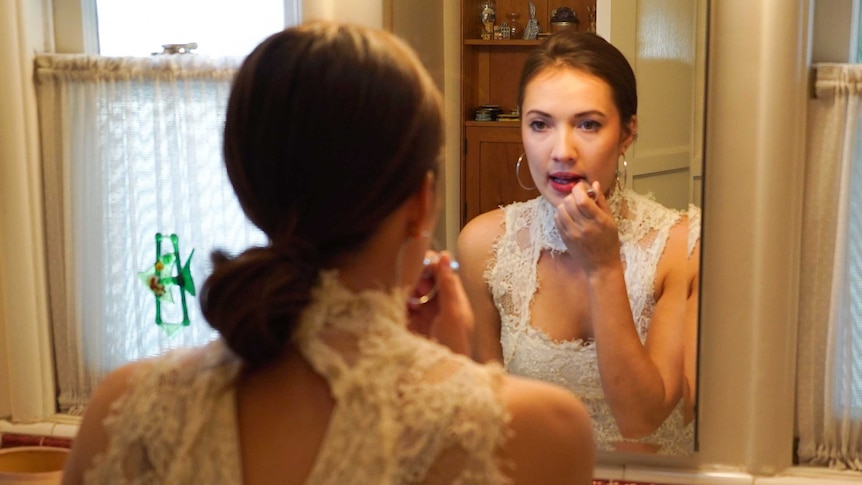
(694, 227)
(427, 415)
(407, 409)
(176, 424)
(644, 226)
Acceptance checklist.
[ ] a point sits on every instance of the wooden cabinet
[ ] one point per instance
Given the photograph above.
(489, 168)
(490, 72)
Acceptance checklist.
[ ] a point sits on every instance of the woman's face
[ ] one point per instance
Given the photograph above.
(571, 131)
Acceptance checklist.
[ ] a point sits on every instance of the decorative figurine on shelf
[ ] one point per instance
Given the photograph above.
(531, 31)
(505, 31)
(591, 12)
(488, 16)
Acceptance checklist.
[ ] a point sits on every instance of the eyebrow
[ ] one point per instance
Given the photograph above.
(592, 112)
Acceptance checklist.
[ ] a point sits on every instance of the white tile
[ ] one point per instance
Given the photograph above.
(608, 472)
(687, 477)
(65, 430)
(39, 429)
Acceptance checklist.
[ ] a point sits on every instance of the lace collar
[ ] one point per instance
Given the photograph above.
(335, 307)
(619, 203)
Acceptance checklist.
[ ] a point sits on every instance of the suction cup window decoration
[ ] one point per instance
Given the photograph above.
(165, 274)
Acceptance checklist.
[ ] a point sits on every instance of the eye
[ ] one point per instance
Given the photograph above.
(538, 125)
(590, 125)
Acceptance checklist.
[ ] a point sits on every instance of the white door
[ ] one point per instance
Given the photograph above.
(664, 40)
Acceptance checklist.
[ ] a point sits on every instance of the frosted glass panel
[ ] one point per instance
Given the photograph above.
(666, 30)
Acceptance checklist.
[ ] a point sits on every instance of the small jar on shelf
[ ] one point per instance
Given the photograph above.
(516, 30)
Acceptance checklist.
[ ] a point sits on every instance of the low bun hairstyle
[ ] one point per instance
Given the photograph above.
(329, 129)
(590, 53)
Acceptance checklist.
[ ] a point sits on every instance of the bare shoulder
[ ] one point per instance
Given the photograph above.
(474, 253)
(479, 234)
(92, 438)
(552, 437)
(673, 261)
(678, 236)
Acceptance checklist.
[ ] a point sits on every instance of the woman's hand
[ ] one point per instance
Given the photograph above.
(447, 316)
(587, 227)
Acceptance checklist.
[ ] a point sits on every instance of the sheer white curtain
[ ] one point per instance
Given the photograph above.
(829, 387)
(130, 147)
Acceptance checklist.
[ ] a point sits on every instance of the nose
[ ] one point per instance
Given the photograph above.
(565, 149)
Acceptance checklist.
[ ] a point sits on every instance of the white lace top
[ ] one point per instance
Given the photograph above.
(407, 409)
(511, 275)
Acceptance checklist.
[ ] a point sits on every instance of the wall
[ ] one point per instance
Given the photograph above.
(427, 26)
(835, 29)
(366, 12)
(26, 362)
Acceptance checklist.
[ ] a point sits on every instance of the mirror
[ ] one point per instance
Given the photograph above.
(665, 42)
(668, 53)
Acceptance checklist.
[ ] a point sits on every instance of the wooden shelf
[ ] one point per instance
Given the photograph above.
(502, 42)
(493, 124)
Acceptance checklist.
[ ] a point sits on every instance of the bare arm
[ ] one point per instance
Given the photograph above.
(92, 438)
(691, 339)
(642, 382)
(474, 250)
(552, 436)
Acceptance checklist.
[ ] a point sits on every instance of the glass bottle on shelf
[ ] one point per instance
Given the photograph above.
(488, 17)
(516, 31)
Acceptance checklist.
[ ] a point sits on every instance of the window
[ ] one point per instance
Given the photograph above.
(218, 28)
(829, 380)
(132, 148)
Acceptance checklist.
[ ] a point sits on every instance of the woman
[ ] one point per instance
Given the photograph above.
(331, 142)
(586, 285)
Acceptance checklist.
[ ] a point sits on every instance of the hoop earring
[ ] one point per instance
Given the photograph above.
(622, 185)
(518, 173)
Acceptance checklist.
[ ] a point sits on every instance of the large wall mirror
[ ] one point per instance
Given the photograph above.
(665, 42)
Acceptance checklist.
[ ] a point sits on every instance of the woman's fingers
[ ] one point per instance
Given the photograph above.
(447, 316)
(454, 325)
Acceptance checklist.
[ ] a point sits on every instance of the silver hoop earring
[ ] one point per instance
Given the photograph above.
(518, 173)
(622, 185)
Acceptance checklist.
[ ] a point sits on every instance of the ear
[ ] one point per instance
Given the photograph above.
(629, 134)
(421, 207)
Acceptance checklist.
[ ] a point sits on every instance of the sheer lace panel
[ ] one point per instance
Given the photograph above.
(530, 231)
(176, 424)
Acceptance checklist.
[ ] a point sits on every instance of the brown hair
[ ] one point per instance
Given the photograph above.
(329, 129)
(592, 54)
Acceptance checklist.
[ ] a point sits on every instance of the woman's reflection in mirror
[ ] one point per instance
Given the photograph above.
(586, 285)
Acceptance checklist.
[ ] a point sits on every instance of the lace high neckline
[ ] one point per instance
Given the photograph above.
(618, 201)
(334, 306)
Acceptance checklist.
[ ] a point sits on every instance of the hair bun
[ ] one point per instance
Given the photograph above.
(255, 299)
